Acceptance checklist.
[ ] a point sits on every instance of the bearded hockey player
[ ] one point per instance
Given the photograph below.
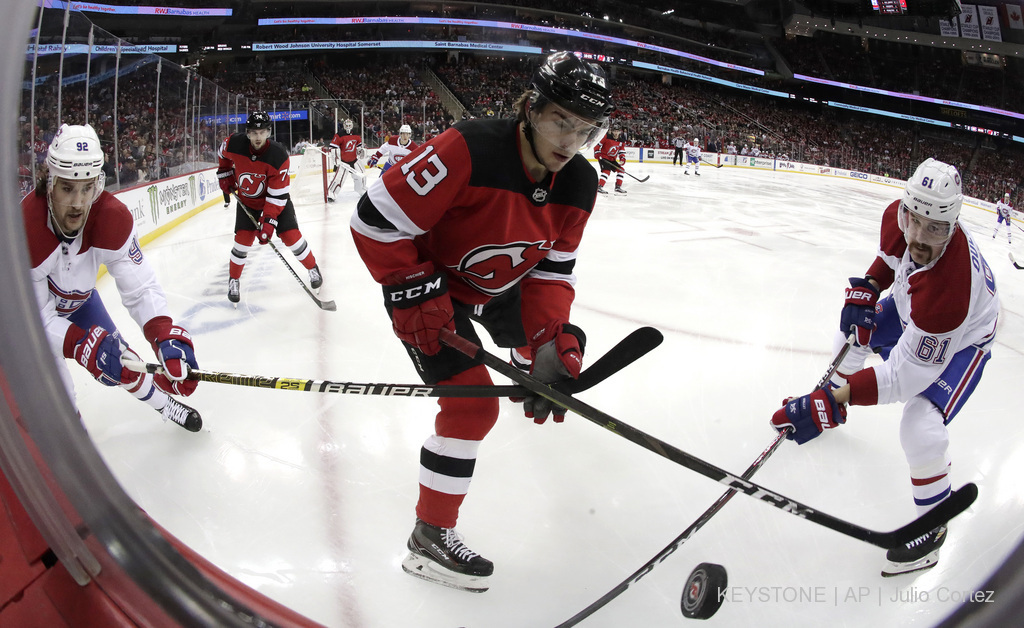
(73, 228)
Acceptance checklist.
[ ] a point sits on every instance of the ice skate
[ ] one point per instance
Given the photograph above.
(619, 190)
(439, 555)
(183, 415)
(917, 555)
(233, 290)
(601, 190)
(315, 278)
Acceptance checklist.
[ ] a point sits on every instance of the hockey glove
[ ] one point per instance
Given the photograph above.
(226, 180)
(809, 415)
(420, 307)
(99, 351)
(173, 345)
(373, 162)
(267, 226)
(622, 159)
(557, 356)
(859, 310)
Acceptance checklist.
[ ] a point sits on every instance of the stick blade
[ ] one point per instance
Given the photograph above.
(957, 502)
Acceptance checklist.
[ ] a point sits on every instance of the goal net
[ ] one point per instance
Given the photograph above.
(310, 182)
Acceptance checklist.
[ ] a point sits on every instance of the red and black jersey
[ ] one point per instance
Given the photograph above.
(347, 146)
(261, 177)
(611, 149)
(466, 202)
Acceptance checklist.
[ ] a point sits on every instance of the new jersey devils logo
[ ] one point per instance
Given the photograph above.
(252, 185)
(493, 269)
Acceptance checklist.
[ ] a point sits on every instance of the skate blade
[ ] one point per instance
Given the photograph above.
(898, 569)
(426, 569)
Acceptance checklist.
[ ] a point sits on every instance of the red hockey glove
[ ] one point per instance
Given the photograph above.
(622, 159)
(420, 306)
(267, 226)
(809, 415)
(99, 351)
(173, 345)
(557, 356)
(859, 310)
(226, 180)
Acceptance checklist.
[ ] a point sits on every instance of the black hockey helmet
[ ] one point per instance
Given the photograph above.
(259, 120)
(574, 85)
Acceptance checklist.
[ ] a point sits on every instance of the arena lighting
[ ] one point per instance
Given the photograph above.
(112, 9)
(669, 12)
(373, 20)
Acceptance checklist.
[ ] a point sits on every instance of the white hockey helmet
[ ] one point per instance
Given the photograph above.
(75, 154)
(405, 128)
(933, 194)
(347, 125)
(695, 140)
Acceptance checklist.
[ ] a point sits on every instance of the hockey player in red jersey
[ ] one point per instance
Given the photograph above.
(346, 150)
(934, 330)
(395, 148)
(611, 156)
(73, 228)
(482, 224)
(257, 168)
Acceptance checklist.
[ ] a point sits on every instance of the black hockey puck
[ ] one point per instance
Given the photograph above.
(704, 591)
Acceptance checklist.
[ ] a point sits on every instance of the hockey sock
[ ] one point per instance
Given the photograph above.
(300, 249)
(447, 458)
(145, 390)
(240, 252)
(931, 484)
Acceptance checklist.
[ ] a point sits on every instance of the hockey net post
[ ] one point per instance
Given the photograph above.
(311, 175)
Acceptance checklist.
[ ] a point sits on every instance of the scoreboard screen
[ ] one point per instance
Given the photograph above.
(889, 7)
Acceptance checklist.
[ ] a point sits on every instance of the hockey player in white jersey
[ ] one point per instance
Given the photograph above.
(1004, 211)
(73, 227)
(934, 330)
(395, 148)
(692, 150)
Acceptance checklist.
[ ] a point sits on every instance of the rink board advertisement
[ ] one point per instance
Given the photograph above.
(156, 206)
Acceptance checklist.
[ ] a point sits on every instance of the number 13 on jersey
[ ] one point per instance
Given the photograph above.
(433, 171)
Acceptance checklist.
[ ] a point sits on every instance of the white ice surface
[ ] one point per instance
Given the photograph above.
(309, 498)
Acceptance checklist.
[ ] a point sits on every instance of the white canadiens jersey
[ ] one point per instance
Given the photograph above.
(1003, 209)
(692, 150)
(64, 272)
(393, 151)
(945, 306)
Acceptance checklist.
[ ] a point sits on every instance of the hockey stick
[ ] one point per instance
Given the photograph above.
(607, 164)
(623, 171)
(704, 518)
(330, 306)
(1013, 260)
(711, 164)
(628, 350)
(957, 502)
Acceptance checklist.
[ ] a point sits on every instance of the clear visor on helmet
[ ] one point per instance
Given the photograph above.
(565, 130)
(924, 230)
